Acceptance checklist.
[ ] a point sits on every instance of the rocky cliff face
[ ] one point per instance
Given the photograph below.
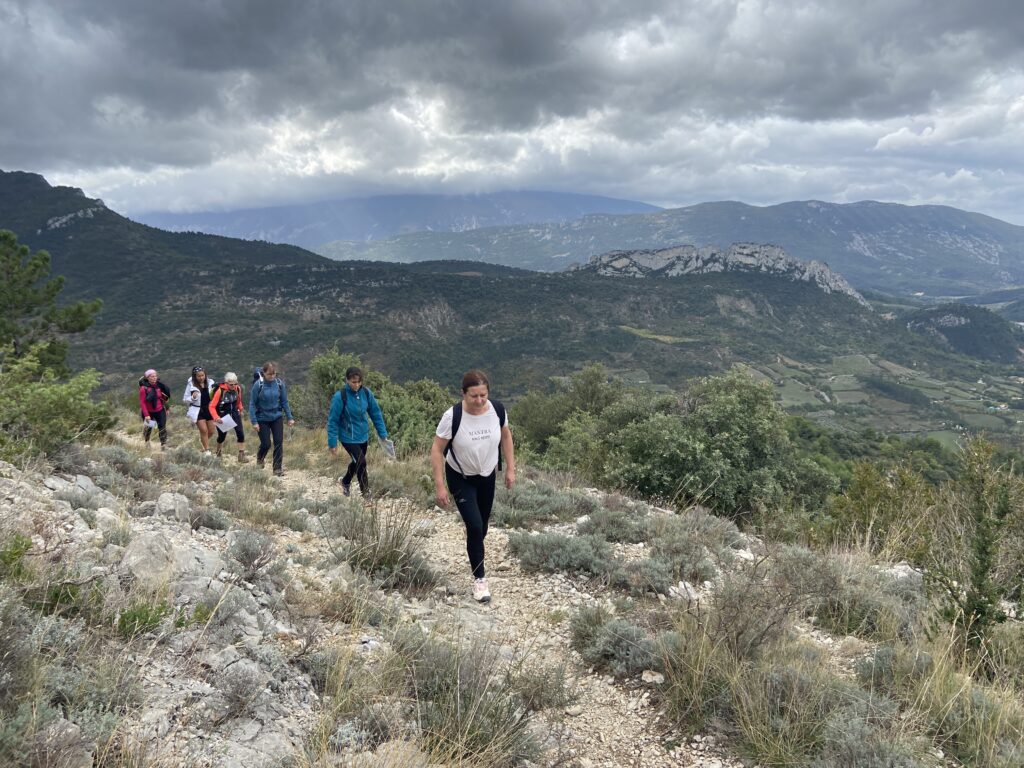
(740, 257)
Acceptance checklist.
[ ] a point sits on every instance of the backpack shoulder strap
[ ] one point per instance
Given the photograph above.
(456, 420)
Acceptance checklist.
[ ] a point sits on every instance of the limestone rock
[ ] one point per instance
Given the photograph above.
(740, 257)
(173, 505)
(150, 558)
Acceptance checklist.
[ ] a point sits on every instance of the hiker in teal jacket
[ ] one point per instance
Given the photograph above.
(347, 422)
(268, 405)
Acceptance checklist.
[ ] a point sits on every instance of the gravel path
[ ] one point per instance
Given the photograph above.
(609, 724)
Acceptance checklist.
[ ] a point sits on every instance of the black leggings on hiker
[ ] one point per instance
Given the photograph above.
(273, 429)
(357, 466)
(160, 417)
(474, 496)
(239, 431)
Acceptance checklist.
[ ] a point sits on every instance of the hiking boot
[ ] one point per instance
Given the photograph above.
(480, 591)
(242, 458)
(220, 450)
(207, 453)
(346, 487)
(278, 473)
(260, 462)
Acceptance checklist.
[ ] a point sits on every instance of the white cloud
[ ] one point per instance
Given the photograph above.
(195, 105)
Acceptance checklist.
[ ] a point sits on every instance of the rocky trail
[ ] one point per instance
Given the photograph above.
(242, 701)
(609, 724)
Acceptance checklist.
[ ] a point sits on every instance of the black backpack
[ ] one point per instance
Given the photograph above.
(154, 391)
(457, 420)
(230, 398)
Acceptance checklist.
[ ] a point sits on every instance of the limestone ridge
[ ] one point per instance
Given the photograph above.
(740, 257)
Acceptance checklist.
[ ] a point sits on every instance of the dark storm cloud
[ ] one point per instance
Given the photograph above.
(417, 94)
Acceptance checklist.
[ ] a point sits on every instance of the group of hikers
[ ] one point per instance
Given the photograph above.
(471, 439)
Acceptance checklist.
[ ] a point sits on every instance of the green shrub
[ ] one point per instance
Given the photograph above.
(698, 670)
(379, 541)
(652, 574)
(17, 653)
(612, 644)
(402, 480)
(554, 552)
(864, 735)
(140, 618)
(622, 525)
(12, 557)
(978, 724)
(536, 501)
(41, 412)
(693, 541)
(747, 614)
(782, 709)
(543, 686)
(466, 701)
(254, 552)
(846, 597)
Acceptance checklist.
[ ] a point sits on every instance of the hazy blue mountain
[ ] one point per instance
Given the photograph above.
(372, 218)
(937, 250)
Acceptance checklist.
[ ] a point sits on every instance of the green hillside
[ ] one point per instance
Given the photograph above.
(971, 330)
(173, 300)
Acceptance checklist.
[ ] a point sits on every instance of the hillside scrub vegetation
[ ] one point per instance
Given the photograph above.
(869, 622)
(724, 443)
(43, 407)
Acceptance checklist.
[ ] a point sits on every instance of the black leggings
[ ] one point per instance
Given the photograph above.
(474, 496)
(239, 432)
(273, 429)
(357, 466)
(160, 417)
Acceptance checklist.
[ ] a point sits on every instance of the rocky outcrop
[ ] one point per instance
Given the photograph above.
(740, 257)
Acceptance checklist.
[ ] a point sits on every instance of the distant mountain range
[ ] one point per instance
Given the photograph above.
(373, 218)
(934, 250)
(172, 300)
(163, 290)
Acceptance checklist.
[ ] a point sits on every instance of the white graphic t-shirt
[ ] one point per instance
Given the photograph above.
(477, 442)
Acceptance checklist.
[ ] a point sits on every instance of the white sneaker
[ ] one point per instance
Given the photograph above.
(480, 591)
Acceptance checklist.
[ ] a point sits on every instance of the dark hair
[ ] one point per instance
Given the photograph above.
(353, 371)
(269, 367)
(195, 372)
(474, 378)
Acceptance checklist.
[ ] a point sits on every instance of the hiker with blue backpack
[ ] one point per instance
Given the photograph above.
(348, 423)
(268, 407)
(468, 446)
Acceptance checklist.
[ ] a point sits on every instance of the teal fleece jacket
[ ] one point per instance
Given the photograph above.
(354, 428)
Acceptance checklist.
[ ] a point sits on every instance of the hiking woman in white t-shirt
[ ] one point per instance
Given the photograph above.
(469, 465)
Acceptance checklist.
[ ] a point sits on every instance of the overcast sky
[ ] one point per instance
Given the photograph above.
(221, 104)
